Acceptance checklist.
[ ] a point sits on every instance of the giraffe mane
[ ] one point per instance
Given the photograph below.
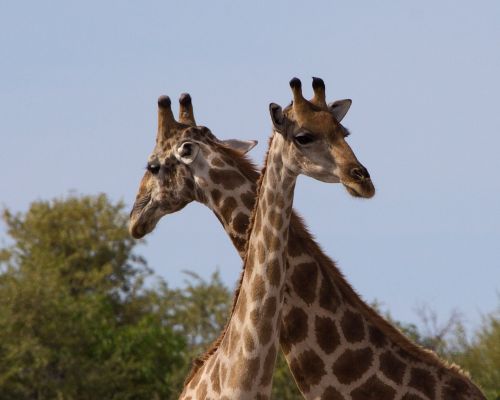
(330, 271)
(333, 273)
(250, 170)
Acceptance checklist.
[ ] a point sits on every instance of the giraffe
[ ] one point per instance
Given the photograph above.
(336, 345)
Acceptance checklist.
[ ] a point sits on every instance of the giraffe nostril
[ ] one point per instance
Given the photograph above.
(360, 173)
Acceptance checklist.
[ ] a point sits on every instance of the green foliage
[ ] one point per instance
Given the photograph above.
(74, 323)
(84, 238)
(198, 312)
(481, 355)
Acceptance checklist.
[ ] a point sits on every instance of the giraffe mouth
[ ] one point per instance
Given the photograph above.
(136, 232)
(142, 218)
(138, 228)
(363, 189)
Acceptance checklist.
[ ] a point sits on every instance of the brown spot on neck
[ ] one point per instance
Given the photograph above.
(373, 389)
(294, 329)
(310, 369)
(228, 179)
(352, 364)
(352, 326)
(327, 335)
(304, 280)
(423, 381)
(392, 367)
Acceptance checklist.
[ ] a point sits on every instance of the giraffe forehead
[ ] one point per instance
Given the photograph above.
(313, 118)
(321, 122)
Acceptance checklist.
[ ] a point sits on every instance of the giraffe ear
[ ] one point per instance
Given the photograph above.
(277, 117)
(339, 108)
(187, 152)
(241, 146)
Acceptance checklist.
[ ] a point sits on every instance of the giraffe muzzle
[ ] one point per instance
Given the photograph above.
(358, 182)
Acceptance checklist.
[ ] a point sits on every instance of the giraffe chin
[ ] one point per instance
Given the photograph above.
(364, 189)
(138, 230)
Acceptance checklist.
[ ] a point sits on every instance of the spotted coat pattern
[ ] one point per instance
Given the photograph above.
(242, 365)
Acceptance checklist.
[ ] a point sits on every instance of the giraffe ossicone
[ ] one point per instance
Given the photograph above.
(336, 345)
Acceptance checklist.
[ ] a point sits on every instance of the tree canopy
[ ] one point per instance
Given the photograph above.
(75, 319)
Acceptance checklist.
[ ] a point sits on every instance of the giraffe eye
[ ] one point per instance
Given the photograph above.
(186, 149)
(304, 138)
(153, 168)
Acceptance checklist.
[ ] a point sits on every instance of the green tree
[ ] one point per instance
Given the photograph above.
(75, 320)
(197, 312)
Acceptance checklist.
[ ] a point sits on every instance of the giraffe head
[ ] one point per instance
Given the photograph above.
(315, 141)
(168, 184)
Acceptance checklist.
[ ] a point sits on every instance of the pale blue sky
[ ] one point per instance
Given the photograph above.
(78, 111)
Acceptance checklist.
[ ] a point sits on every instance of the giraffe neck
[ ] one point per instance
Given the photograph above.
(242, 365)
(334, 342)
